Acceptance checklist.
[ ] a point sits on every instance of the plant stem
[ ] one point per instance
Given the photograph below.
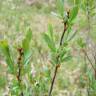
(65, 28)
(53, 80)
(58, 65)
(20, 69)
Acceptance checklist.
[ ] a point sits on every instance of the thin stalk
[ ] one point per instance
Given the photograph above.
(58, 65)
(53, 80)
(19, 70)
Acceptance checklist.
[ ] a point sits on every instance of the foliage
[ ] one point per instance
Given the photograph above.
(13, 67)
(61, 53)
(27, 64)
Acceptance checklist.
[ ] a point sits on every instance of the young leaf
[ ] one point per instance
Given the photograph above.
(5, 49)
(66, 58)
(28, 58)
(60, 7)
(73, 13)
(49, 42)
(26, 41)
(26, 45)
(50, 29)
(63, 52)
(81, 43)
(72, 36)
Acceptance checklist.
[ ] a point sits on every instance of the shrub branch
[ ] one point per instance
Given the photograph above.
(20, 50)
(58, 65)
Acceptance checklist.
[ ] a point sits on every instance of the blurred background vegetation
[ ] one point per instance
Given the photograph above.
(16, 16)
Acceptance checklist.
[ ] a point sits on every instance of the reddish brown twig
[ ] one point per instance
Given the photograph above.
(58, 65)
(20, 50)
(53, 80)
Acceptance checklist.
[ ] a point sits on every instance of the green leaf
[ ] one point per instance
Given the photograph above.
(28, 58)
(66, 58)
(26, 41)
(50, 30)
(49, 38)
(60, 7)
(72, 36)
(73, 13)
(54, 60)
(26, 45)
(63, 52)
(49, 42)
(5, 50)
(81, 43)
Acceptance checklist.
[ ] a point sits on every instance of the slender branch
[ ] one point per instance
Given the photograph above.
(53, 80)
(65, 28)
(20, 69)
(58, 65)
